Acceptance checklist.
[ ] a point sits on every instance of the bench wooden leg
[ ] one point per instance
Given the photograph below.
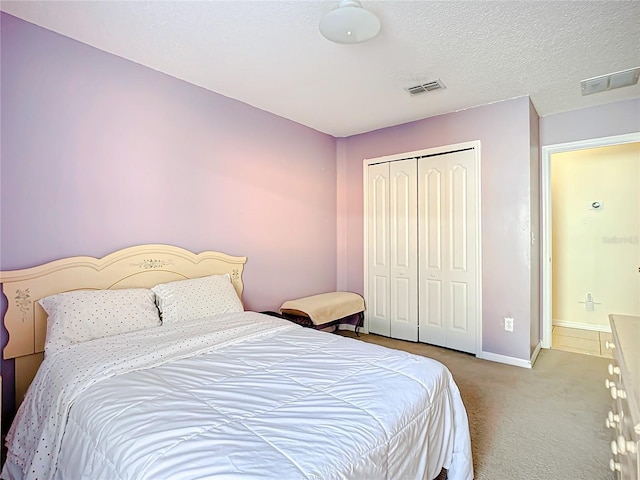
(360, 323)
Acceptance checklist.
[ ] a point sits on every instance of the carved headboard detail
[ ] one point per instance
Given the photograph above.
(142, 266)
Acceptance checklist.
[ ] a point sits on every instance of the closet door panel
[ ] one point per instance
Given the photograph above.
(431, 313)
(431, 220)
(461, 245)
(458, 218)
(402, 248)
(431, 223)
(378, 262)
(458, 307)
(379, 303)
(447, 243)
(401, 293)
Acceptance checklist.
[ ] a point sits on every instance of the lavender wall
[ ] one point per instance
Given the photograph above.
(99, 153)
(504, 131)
(608, 120)
(536, 267)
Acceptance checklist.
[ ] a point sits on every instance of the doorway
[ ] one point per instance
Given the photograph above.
(606, 239)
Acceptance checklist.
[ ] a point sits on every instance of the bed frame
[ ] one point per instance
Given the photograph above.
(141, 266)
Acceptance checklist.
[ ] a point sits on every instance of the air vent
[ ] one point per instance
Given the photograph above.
(603, 83)
(425, 87)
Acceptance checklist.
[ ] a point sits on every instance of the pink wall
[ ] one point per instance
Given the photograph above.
(504, 131)
(99, 153)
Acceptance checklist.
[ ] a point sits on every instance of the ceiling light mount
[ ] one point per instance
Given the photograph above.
(349, 23)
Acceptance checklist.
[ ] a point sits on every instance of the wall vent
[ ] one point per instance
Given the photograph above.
(603, 83)
(425, 87)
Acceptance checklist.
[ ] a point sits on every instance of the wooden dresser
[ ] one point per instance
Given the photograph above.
(623, 384)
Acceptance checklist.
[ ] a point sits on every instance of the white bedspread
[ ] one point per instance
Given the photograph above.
(250, 396)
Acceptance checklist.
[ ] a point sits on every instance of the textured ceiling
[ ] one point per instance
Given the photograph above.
(270, 54)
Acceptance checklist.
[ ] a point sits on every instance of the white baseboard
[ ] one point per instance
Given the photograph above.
(346, 326)
(517, 362)
(352, 328)
(582, 326)
(535, 353)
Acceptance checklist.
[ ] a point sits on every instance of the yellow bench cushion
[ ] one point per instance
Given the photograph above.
(325, 307)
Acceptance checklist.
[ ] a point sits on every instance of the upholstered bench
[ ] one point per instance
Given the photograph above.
(326, 310)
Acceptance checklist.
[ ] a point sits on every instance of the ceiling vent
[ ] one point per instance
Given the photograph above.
(603, 83)
(425, 87)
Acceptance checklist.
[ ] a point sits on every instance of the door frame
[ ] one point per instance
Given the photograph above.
(546, 152)
(475, 145)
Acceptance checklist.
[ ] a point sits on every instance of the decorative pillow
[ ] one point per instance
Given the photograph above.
(83, 315)
(197, 298)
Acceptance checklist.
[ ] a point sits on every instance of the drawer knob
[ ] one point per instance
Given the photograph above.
(623, 446)
(609, 345)
(613, 419)
(614, 448)
(608, 384)
(613, 369)
(617, 392)
(614, 466)
(626, 446)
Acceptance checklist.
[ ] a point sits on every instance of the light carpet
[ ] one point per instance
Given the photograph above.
(544, 423)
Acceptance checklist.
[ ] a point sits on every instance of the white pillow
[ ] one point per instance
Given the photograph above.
(83, 315)
(197, 298)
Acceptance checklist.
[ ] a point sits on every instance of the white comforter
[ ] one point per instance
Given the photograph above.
(240, 396)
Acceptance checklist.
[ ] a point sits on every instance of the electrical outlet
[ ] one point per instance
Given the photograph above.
(508, 324)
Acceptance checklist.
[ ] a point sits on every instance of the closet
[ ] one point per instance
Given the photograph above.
(422, 242)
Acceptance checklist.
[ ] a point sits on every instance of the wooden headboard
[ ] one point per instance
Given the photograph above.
(141, 266)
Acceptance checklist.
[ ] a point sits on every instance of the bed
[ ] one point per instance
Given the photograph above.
(153, 370)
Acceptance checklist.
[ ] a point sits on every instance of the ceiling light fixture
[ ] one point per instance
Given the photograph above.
(349, 23)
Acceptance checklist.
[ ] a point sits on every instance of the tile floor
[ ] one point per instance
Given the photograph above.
(576, 340)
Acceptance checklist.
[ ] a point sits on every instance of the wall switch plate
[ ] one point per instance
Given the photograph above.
(508, 324)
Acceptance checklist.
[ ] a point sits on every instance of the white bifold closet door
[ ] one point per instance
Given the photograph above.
(392, 258)
(422, 235)
(448, 232)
